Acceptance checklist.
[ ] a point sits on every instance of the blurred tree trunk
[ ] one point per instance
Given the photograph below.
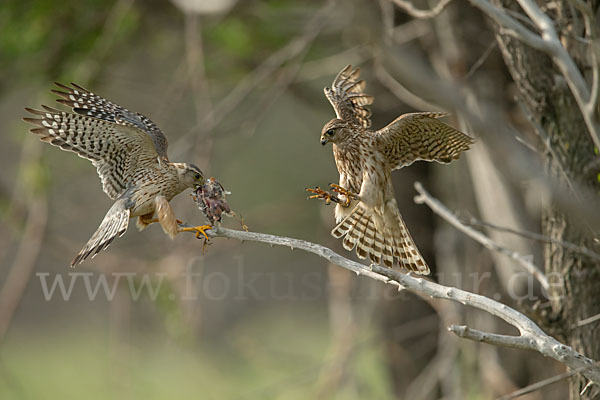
(547, 97)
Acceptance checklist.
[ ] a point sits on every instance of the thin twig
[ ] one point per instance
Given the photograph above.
(533, 236)
(481, 60)
(531, 336)
(415, 12)
(541, 384)
(588, 320)
(400, 91)
(286, 77)
(265, 70)
(410, 31)
(437, 207)
(545, 139)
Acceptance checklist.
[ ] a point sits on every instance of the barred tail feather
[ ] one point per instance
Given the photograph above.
(388, 254)
(408, 254)
(114, 224)
(346, 225)
(395, 245)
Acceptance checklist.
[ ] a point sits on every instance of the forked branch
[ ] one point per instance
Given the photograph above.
(531, 336)
(548, 42)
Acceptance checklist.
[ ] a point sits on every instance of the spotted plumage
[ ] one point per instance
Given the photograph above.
(371, 222)
(130, 154)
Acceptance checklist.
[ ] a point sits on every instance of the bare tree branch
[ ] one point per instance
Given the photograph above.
(485, 117)
(415, 12)
(510, 25)
(441, 210)
(531, 336)
(400, 91)
(549, 43)
(518, 342)
(545, 139)
(481, 60)
(588, 320)
(591, 28)
(534, 236)
(541, 384)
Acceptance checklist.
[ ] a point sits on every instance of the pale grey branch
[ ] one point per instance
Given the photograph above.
(518, 342)
(529, 332)
(511, 25)
(400, 91)
(415, 12)
(437, 207)
(534, 236)
(588, 320)
(541, 384)
(549, 43)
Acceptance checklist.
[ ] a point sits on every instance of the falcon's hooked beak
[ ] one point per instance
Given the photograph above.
(324, 141)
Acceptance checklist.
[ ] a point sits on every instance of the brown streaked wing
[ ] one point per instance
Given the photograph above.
(421, 136)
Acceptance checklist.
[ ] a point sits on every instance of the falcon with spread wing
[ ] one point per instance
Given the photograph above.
(130, 154)
(366, 211)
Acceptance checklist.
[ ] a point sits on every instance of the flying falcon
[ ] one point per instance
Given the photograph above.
(366, 213)
(130, 154)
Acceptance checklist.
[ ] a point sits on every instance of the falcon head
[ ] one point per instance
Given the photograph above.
(190, 175)
(335, 131)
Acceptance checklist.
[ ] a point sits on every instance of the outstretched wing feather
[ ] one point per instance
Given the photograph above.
(421, 136)
(117, 151)
(347, 97)
(84, 102)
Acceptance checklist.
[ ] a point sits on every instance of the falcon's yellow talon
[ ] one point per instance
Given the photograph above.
(320, 194)
(349, 196)
(200, 230)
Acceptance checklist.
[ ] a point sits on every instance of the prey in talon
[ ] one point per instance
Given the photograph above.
(210, 198)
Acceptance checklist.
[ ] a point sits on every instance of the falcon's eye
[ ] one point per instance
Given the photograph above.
(330, 132)
(197, 177)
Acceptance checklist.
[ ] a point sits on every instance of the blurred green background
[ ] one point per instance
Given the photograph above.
(237, 88)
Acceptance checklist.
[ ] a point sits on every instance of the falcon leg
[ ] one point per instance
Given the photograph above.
(349, 196)
(200, 230)
(144, 220)
(154, 220)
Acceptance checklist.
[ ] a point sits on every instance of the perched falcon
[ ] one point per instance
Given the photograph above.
(130, 153)
(367, 213)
